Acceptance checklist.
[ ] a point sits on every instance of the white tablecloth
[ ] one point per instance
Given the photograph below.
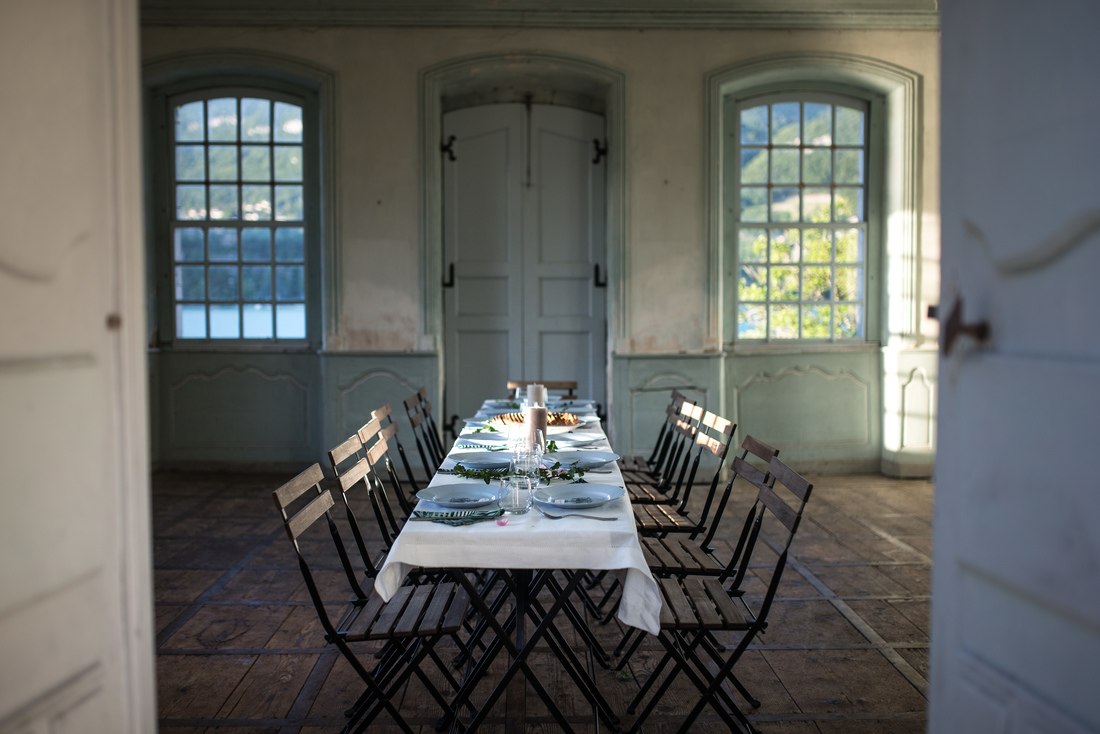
(532, 541)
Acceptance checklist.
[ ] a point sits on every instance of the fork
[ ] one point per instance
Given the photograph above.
(574, 514)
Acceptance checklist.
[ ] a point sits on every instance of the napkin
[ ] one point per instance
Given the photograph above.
(455, 518)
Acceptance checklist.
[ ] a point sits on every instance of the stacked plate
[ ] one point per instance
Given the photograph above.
(580, 458)
(576, 496)
(482, 459)
(459, 496)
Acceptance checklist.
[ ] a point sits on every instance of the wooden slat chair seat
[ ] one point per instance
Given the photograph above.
(696, 607)
(410, 624)
(712, 438)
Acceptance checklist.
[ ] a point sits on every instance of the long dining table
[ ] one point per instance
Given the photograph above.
(529, 553)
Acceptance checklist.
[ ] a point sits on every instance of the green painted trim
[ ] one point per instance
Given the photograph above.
(702, 14)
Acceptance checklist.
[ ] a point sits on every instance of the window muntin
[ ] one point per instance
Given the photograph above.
(237, 220)
(801, 218)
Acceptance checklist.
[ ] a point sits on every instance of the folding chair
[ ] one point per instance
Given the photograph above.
(671, 463)
(712, 439)
(384, 415)
(695, 608)
(345, 454)
(376, 442)
(677, 555)
(410, 624)
(428, 444)
(638, 464)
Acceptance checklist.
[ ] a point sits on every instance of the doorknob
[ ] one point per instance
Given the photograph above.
(449, 281)
(954, 326)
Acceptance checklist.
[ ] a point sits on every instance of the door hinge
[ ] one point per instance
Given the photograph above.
(601, 150)
(449, 148)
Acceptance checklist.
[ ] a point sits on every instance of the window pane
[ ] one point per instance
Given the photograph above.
(290, 245)
(752, 245)
(255, 163)
(817, 166)
(754, 166)
(288, 163)
(754, 204)
(225, 322)
(288, 123)
(190, 283)
(288, 203)
(290, 283)
(848, 284)
(849, 126)
(785, 166)
(256, 119)
(785, 124)
(754, 126)
(256, 283)
(849, 322)
(189, 127)
(849, 166)
(256, 245)
(258, 323)
(222, 282)
(785, 246)
(784, 284)
(751, 321)
(818, 125)
(190, 321)
(817, 285)
(221, 117)
(784, 205)
(223, 163)
(256, 202)
(783, 322)
(818, 205)
(190, 163)
(223, 244)
(849, 205)
(290, 321)
(752, 285)
(190, 202)
(849, 245)
(189, 244)
(223, 202)
(815, 322)
(817, 246)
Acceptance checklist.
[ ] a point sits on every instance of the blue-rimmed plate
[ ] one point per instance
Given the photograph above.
(459, 496)
(577, 495)
(482, 459)
(580, 458)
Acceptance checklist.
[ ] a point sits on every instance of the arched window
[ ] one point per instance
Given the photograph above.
(237, 230)
(799, 198)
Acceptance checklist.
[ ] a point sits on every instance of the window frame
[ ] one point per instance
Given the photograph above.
(162, 200)
(836, 96)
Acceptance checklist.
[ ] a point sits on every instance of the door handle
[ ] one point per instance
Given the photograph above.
(449, 281)
(954, 327)
(596, 278)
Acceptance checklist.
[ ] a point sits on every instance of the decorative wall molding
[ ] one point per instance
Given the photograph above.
(701, 14)
(918, 407)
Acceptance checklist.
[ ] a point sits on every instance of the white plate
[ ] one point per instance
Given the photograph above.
(577, 495)
(580, 458)
(459, 496)
(488, 438)
(482, 459)
(574, 440)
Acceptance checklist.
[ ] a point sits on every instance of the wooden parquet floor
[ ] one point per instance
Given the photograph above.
(239, 649)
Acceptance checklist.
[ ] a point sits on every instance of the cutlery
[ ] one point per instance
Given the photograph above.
(574, 514)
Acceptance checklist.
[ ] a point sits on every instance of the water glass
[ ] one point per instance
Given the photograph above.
(516, 496)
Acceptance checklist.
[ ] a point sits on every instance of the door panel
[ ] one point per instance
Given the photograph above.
(1016, 595)
(524, 228)
(76, 648)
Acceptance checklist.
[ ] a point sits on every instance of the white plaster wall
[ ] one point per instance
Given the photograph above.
(378, 157)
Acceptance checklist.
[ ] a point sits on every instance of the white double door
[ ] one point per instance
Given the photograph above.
(524, 213)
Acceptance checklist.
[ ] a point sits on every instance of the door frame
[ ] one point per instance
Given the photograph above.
(471, 74)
